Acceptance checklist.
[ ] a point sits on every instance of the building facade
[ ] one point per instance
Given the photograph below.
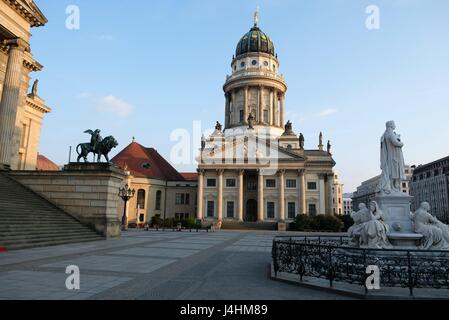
(21, 109)
(347, 203)
(160, 189)
(256, 168)
(337, 196)
(430, 183)
(366, 192)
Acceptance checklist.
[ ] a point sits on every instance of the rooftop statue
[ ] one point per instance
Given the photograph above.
(97, 145)
(391, 161)
(34, 88)
(301, 141)
(251, 121)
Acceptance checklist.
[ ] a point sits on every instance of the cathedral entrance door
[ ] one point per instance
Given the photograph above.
(251, 211)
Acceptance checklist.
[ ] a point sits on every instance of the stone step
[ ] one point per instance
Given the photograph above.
(30, 227)
(37, 220)
(27, 220)
(37, 235)
(49, 242)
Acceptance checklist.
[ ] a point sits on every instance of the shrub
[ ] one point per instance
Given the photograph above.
(188, 223)
(156, 221)
(347, 222)
(327, 223)
(302, 222)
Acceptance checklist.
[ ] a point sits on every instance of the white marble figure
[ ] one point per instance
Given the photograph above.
(435, 233)
(391, 161)
(360, 218)
(375, 230)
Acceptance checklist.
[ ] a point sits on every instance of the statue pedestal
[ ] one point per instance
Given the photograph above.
(282, 226)
(396, 209)
(87, 191)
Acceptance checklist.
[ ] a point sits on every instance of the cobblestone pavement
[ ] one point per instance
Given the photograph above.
(152, 265)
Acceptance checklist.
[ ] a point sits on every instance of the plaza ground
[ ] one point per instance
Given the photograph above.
(153, 265)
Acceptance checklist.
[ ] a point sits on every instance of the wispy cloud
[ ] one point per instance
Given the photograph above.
(326, 112)
(115, 105)
(109, 103)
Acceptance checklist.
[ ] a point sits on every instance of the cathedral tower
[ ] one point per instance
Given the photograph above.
(255, 88)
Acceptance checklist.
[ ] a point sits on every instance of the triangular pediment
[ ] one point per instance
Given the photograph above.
(246, 149)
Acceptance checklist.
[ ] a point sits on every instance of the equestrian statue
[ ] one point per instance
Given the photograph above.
(97, 145)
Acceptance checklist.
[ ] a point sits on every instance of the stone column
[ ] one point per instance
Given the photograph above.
(227, 110)
(270, 112)
(302, 192)
(240, 209)
(260, 198)
(282, 110)
(322, 195)
(281, 205)
(329, 195)
(245, 107)
(260, 104)
(276, 108)
(220, 195)
(200, 214)
(10, 99)
(233, 109)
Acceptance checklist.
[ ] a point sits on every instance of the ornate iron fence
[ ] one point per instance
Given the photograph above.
(334, 259)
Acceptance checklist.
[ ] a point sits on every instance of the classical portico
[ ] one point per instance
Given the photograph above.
(255, 168)
(21, 112)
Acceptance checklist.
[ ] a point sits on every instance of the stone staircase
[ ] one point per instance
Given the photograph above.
(235, 225)
(27, 220)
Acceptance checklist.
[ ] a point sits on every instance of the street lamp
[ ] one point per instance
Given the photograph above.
(125, 193)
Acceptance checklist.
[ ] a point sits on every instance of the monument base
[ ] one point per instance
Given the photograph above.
(405, 240)
(396, 210)
(282, 226)
(86, 191)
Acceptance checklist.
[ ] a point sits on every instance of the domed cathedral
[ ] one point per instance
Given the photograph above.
(255, 89)
(254, 171)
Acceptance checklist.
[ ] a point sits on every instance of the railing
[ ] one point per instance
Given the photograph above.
(332, 258)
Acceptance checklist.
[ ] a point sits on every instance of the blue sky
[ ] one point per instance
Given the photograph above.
(146, 68)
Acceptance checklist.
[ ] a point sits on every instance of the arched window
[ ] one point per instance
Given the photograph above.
(158, 200)
(141, 199)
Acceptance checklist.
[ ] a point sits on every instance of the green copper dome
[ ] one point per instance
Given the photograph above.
(255, 41)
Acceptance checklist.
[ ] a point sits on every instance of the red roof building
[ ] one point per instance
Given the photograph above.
(147, 163)
(45, 164)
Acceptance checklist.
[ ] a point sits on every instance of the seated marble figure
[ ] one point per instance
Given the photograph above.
(369, 229)
(435, 233)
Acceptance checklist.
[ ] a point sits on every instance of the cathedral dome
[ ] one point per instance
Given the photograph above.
(255, 41)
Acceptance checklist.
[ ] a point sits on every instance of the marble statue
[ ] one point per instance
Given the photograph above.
(369, 229)
(251, 121)
(203, 142)
(329, 147)
(301, 141)
(435, 233)
(360, 218)
(391, 161)
(34, 87)
(218, 126)
(288, 129)
(375, 230)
